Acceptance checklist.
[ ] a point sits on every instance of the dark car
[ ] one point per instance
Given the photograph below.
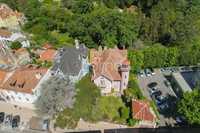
(2, 115)
(181, 121)
(8, 119)
(160, 100)
(15, 121)
(155, 94)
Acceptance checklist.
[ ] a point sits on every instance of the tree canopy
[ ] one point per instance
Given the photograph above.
(189, 106)
(55, 95)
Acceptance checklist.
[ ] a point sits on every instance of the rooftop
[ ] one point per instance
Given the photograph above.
(141, 110)
(27, 82)
(181, 82)
(48, 55)
(69, 60)
(107, 62)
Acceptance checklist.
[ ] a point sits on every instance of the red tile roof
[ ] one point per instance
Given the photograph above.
(47, 46)
(48, 55)
(106, 63)
(2, 75)
(141, 110)
(24, 79)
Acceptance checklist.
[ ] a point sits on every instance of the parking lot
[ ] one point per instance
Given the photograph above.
(166, 118)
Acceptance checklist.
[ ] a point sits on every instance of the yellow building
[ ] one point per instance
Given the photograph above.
(10, 19)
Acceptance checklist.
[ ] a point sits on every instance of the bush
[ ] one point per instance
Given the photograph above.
(132, 122)
(133, 91)
(16, 45)
(87, 95)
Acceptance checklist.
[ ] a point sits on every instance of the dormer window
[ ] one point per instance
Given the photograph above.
(21, 85)
(13, 83)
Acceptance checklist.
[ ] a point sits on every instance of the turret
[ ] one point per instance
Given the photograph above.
(124, 71)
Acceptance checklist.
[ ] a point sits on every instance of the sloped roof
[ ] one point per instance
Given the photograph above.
(141, 110)
(2, 75)
(48, 55)
(69, 60)
(24, 79)
(107, 62)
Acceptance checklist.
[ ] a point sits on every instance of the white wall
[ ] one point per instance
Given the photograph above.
(116, 85)
(17, 96)
(106, 87)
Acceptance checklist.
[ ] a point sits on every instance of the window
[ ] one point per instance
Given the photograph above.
(125, 76)
(102, 82)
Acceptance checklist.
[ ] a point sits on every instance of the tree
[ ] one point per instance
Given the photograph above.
(136, 58)
(86, 97)
(55, 95)
(108, 108)
(189, 106)
(16, 45)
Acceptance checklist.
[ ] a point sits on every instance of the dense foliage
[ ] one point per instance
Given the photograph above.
(92, 107)
(189, 106)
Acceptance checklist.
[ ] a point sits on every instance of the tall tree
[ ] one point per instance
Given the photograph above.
(55, 95)
(189, 106)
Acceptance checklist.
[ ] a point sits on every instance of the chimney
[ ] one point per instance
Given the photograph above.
(38, 76)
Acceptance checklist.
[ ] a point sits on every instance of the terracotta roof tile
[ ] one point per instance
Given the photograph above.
(2, 75)
(107, 62)
(48, 55)
(24, 79)
(141, 110)
(47, 46)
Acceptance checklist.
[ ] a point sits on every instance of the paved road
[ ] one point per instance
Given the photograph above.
(166, 91)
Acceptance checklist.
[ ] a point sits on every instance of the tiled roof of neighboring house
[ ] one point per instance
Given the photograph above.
(141, 110)
(24, 79)
(69, 60)
(106, 63)
(47, 46)
(48, 55)
(2, 75)
(5, 33)
(6, 12)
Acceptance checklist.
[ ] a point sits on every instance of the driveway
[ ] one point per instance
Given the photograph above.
(165, 119)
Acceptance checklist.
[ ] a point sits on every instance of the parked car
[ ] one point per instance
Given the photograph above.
(152, 84)
(152, 71)
(160, 100)
(147, 72)
(141, 73)
(167, 83)
(181, 121)
(163, 106)
(2, 115)
(15, 121)
(8, 119)
(156, 94)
